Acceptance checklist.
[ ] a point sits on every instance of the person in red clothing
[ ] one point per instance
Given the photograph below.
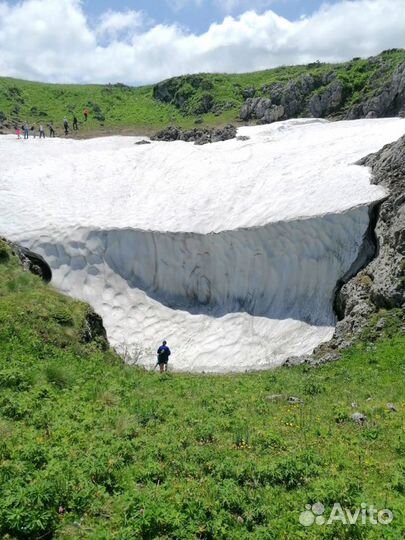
(85, 114)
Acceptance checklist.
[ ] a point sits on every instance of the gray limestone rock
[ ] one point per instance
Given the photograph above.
(359, 418)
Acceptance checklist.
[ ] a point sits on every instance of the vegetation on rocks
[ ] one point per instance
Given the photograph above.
(91, 448)
(316, 89)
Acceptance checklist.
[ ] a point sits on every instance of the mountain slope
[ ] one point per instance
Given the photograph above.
(212, 99)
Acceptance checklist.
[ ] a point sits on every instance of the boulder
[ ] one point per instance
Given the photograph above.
(359, 418)
(32, 262)
(199, 136)
(249, 92)
(93, 330)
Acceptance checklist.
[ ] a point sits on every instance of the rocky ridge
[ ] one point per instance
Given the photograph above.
(326, 96)
(360, 88)
(381, 283)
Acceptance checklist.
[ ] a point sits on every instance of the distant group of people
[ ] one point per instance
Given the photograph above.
(26, 129)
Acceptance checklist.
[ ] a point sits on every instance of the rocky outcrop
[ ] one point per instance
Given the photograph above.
(189, 93)
(328, 101)
(389, 101)
(381, 283)
(197, 135)
(331, 95)
(31, 262)
(284, 100)
(290, 99)
(93, 330)
(263, 110)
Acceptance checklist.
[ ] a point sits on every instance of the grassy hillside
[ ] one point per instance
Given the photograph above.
(93, 449)
(211, 99)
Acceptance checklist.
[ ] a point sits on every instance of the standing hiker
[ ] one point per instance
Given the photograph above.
(66, 125)
(26, 130)
(85, 114)
(75, 123)
(163, 354)
(41, 131)
(51, 130)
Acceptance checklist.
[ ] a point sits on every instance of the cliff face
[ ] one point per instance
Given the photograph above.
(330, 95)
(381, 283)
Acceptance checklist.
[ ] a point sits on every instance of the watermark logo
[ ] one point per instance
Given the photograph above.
(367, 514)
(313, 514)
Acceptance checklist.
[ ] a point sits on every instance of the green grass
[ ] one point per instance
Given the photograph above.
(93, 449)
(117, 108)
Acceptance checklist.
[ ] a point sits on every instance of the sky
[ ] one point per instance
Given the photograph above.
(144, 41)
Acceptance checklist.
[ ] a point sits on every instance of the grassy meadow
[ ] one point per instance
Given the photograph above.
(93, 449)
(118, 108)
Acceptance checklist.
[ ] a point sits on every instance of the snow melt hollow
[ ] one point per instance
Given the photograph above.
(230, 251)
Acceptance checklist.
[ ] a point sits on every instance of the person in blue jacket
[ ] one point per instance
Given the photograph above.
(163, 354)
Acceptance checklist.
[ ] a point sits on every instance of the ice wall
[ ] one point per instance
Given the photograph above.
(221, 299)
(231, 252)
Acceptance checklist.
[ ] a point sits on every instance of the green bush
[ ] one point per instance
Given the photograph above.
(58, 376)
(15, 378)
(293, 472)
(4, 253)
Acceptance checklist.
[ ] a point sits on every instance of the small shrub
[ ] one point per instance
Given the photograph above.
(269, 441)
(149, 413)
(398, 481)
(371, 434)
(15, 378)
(313, 389)
(109, 399)
(63, 317)
(4, 253)
(11, 407)
(292, 472)
(340, 416)
(205, 434)
(58, 376)
(241, 438)
(400, 447)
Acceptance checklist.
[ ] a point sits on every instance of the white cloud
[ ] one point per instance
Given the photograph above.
(115, 23)
(52, 40)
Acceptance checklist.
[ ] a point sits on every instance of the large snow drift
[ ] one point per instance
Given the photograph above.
(230, 251)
